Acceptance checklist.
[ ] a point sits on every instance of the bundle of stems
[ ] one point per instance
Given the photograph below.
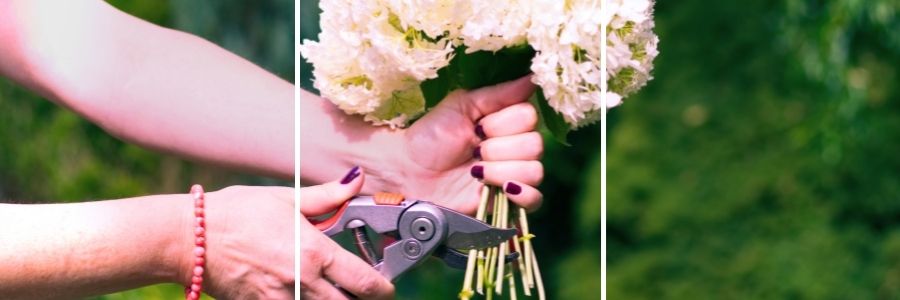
(488, 268)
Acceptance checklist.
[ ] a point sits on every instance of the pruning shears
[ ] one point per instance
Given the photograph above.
(420, 228)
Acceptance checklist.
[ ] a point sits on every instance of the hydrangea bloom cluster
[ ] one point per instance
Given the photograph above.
(372, 56)
(370, 62)
(567, 37)
(631, 47)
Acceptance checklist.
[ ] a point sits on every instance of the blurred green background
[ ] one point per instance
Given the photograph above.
(567, 226)
(49, 154)
(763, 162)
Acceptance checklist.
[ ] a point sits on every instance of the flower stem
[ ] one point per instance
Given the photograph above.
(521, 260)
(488, 266)
(537, 275)
(526, 240)
(493, 252)
(502, 219)
(467, 292)
(479, 285)
(512, 283)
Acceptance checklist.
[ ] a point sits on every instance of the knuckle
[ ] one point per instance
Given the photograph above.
(537, 201)
(529, 113)
(324, 259)
(370, 286)
(536, 142)
(315, 260)
(537, 171)
(311, 264)
(534, 139)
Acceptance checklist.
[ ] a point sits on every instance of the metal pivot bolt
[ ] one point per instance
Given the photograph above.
(412, 249)
(422, 229)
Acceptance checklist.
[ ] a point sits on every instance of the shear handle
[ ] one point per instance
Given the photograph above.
(324, 225)
(364, 210)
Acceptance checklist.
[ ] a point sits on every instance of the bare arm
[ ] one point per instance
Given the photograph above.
(70, 251)
(159, 88)
(332, 142)
(59, 251)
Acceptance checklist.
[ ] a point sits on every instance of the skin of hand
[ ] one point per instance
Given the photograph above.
(162, 89)
(323, 262)
(250, 252)
(488, 132)
(76, 250)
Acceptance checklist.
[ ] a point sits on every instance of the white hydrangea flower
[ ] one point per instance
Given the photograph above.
(566, 36)
(404, 49)
(338, 74)
(631, 46)
(372, 56)
(493, 25)
(435, 18)
(370, 61)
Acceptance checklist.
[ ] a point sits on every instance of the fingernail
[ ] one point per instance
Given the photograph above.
(351, 175)
(479, 131)
(478, 172)
(477, 152)
(513, 189)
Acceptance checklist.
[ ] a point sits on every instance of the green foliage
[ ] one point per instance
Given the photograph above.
(760, 163)
(549, 119)
(259, 31)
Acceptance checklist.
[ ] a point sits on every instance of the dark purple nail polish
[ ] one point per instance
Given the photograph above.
(477, 152)
(479, 131)
(351, 175)
(478, 172)
(513, 189)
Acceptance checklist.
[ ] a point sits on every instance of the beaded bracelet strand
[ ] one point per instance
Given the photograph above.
(195, 289)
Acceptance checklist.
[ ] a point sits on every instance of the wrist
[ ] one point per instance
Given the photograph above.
(385, 161)
(178, 240)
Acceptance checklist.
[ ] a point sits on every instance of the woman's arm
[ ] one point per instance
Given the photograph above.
(159, 88)
(70, 251)
(332, 142)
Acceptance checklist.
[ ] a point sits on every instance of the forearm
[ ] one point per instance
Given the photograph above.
(332, 142)
(156, 87)
(67, 251)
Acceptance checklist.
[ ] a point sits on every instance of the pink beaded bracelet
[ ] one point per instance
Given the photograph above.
(195, 289)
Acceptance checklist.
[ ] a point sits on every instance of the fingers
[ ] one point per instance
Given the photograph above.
(356, 276)
(496, 173)
(510, 153)
(325, 263)
(518, 118)
(523, 146)
(321, 289)
(320, 199)
(523, 195)
(481, 102)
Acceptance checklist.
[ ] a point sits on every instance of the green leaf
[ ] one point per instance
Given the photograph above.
(550, 119)
(476, 70)
(435, 89)
(483, 68)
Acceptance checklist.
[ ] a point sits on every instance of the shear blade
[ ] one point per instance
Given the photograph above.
(457, 260)
(479, 240)
(467, 233)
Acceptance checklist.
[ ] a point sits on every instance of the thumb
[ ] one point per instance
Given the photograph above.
(324, 198)
(487, 100)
